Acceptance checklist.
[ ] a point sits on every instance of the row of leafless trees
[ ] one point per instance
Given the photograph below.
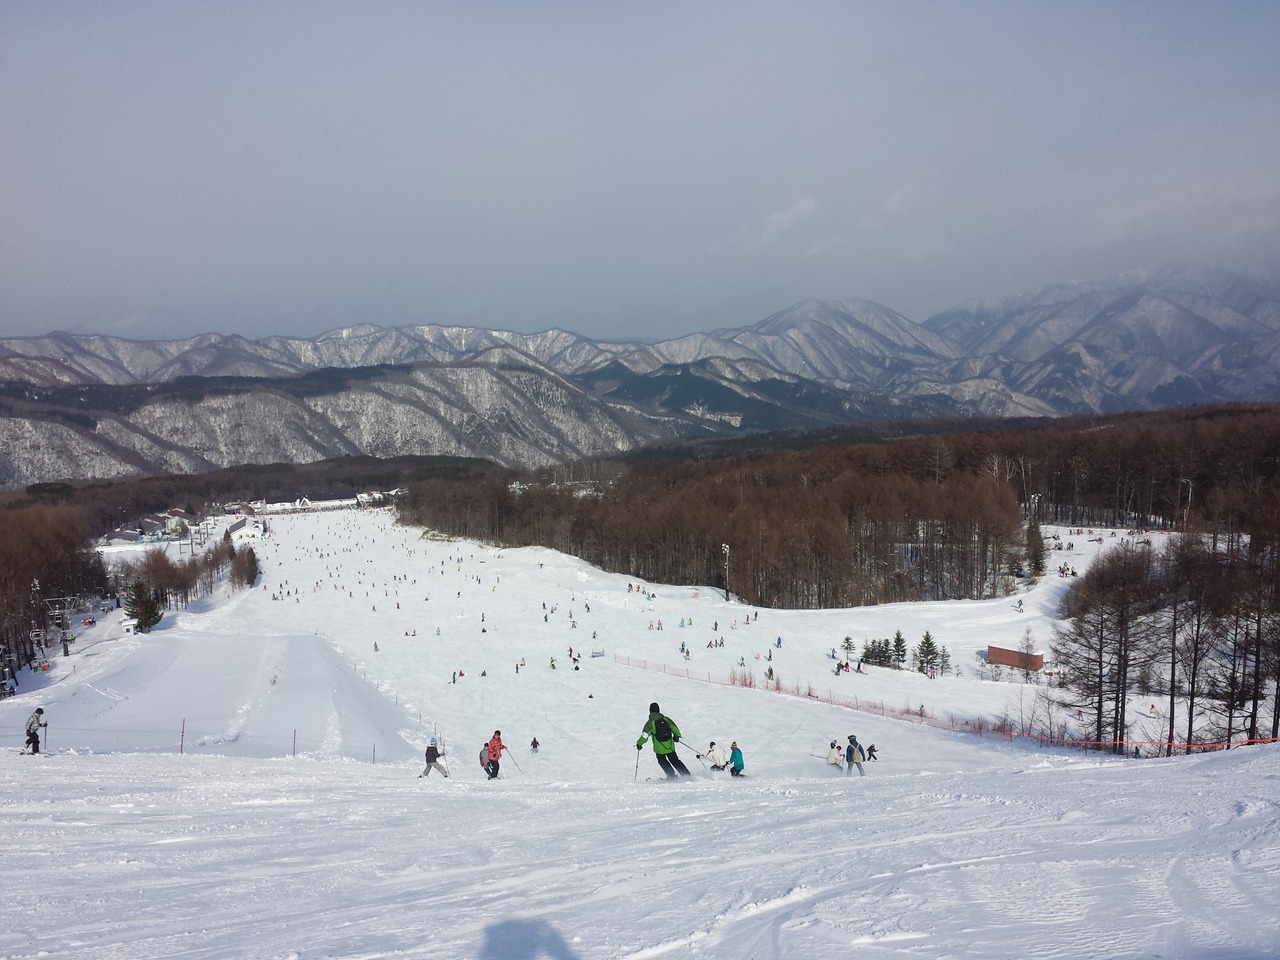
(919, 518)
(46, 553)
(1196, 622)
(772, 538)
(43, 555)
(175, 583)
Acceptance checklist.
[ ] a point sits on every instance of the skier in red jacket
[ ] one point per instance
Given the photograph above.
(493, 753)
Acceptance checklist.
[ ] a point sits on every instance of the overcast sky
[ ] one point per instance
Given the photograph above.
(618, 169)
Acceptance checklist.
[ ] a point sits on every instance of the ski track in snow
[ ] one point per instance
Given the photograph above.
(952, 846)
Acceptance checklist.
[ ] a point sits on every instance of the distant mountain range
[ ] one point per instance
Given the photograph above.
(76, 406)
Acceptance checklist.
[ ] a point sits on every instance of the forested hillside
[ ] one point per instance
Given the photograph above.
(842, 523)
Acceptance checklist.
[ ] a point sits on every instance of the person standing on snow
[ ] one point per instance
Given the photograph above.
(665, 733)
(34, 723)
(493, 753)
(716, 756)
(433, 759)
(736, 762)
(854, 755)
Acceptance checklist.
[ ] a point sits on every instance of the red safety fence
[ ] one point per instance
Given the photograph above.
(920, 715)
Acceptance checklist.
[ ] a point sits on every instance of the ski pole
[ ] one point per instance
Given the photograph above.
(695, 752)
(510, 757)
(637, 776)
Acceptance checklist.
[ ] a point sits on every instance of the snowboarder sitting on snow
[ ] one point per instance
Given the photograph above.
(433, 759)
(665, 733)
(493, 753)
(34, 723)
(735, 760)
(716, 756)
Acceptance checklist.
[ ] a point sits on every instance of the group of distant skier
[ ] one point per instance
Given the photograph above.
(851, 756)
(664, 734)
(490, 756)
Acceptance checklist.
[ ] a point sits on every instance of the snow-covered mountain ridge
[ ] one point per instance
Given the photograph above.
(76, 405)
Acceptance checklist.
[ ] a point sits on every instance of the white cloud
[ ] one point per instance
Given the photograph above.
(776, 225)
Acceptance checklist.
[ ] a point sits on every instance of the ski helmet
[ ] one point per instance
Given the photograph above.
(653, 707)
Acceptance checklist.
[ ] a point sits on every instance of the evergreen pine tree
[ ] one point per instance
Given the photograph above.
(244, 567)
(926, 653)
(1035, 549)
(142, 605)
(899, 650)
(877, 653)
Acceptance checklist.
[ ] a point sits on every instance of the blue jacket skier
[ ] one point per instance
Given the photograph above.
(853, 756)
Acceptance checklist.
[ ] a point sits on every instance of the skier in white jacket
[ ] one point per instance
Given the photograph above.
(835, 755)
(717, 756)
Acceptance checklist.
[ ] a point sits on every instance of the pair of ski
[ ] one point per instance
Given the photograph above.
(741, 776)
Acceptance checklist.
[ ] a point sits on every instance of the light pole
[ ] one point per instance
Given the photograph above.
(725, 548)
(37, 628)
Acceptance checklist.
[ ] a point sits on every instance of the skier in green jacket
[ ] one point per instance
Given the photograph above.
(665, 733)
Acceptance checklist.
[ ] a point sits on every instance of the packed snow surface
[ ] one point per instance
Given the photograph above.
(244, 781)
